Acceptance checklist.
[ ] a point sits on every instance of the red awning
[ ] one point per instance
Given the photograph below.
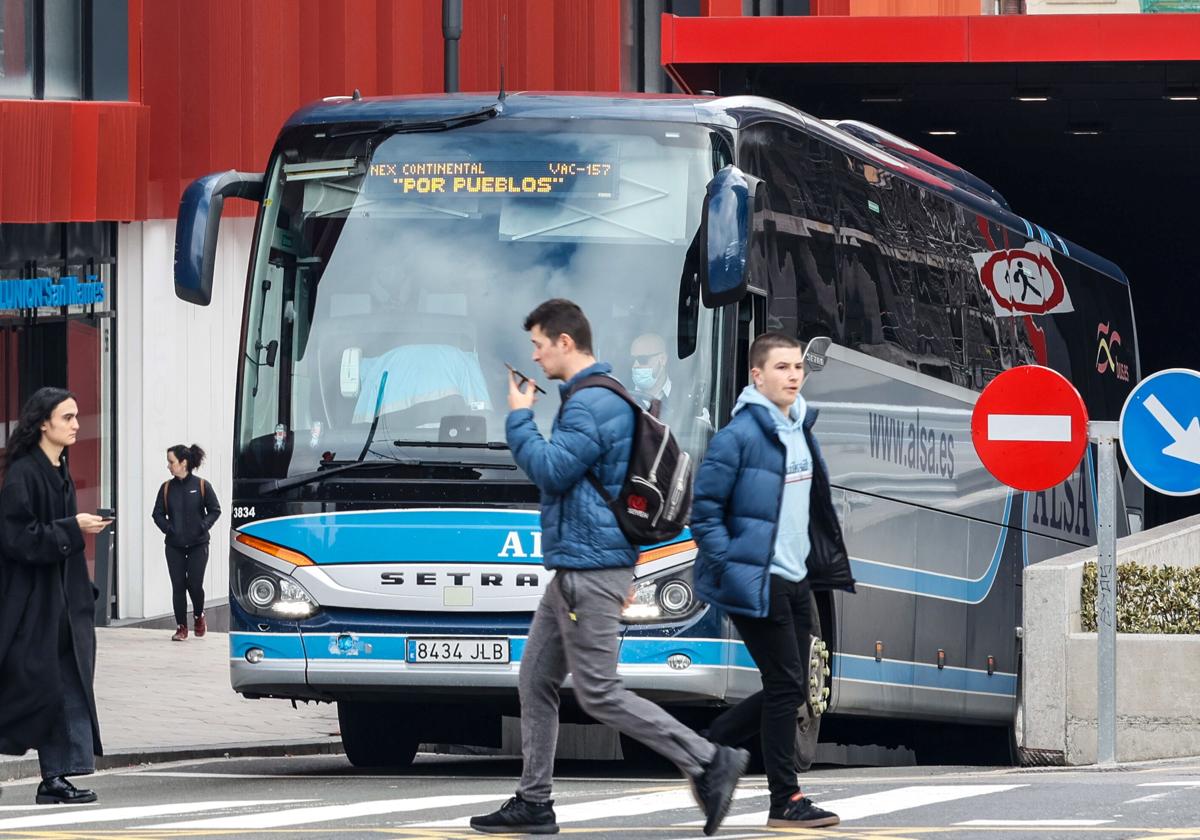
(692, 47)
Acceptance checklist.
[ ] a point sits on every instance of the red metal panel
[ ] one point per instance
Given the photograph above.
(813, 40)
(1162, 37)
(726, 8)
(70, 161)
(688, 42)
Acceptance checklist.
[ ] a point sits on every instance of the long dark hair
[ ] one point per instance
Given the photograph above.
(37, 410)
(193, 454)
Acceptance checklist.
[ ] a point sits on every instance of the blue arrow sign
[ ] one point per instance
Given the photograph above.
(1160, 431)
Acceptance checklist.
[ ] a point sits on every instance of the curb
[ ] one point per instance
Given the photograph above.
(20, 768)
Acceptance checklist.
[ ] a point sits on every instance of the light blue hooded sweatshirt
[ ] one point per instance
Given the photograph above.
(791, 538)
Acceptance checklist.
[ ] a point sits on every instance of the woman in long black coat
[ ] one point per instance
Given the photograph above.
(47, 603)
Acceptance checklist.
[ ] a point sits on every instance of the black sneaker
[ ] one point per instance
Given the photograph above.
(714, 788)
(517, 816)
(801, 812)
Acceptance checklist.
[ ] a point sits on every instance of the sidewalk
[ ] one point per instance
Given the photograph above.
(160, 700)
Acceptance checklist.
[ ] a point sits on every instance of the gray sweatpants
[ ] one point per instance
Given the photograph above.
(577, 629)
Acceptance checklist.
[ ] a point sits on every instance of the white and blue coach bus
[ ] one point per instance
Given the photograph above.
(386, 550)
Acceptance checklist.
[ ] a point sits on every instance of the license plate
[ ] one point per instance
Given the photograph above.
(483, 651)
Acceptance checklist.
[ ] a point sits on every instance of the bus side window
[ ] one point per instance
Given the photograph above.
(798, 257)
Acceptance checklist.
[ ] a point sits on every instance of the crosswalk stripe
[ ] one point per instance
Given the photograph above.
(621, 806)
(883, 802)
(1195, 783)
(326, 813)
(1033, 823)
(73, 815)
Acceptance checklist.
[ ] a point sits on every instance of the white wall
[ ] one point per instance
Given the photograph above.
(176, 384)
(1082, 7)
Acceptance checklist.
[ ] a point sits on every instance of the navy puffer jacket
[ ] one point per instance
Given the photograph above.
(735, 512)
(594, 431)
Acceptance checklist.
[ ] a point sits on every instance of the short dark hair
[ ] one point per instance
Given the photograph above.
(559, 316)
(768, 341)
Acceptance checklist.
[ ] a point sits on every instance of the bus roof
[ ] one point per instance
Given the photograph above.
(729, 112)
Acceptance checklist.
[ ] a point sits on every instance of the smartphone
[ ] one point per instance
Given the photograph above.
(523, 378)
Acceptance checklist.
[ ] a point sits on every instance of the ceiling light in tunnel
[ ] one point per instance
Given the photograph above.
(1032, 94)
(942, 132)
(883, 95)
(1085, 129)
(1182, 93)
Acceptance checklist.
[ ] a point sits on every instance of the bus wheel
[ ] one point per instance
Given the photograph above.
(377, 734)
(808, 724)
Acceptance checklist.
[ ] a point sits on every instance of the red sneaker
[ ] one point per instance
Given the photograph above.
(201, 625)
(180, 634)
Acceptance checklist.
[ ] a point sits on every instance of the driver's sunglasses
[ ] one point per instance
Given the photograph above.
(647, 359)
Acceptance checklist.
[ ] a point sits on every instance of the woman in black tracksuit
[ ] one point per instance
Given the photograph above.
(185, 509)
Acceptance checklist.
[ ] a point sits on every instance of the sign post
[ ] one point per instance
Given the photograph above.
(1104, 434)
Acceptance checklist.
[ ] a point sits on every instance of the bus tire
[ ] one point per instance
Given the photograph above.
(808, 722)
(374, 736)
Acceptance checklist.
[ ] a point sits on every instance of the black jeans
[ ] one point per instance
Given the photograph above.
(779, 645)
(186, 567)
(67, 750)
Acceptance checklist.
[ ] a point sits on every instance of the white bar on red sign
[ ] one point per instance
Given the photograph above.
(1046, 428)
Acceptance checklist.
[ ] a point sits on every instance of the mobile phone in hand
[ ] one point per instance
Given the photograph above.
(523, 377)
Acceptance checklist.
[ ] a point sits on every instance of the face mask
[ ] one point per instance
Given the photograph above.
(643, 378)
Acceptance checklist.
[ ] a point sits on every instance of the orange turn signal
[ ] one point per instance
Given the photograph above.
(666, 551)
(278, 551)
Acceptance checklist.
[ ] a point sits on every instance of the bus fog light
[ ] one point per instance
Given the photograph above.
(679, 661)
(254, 655)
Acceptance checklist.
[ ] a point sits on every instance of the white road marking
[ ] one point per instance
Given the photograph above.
(621, 806)
(1033, 823)
(1195, 783)
(326, 813)
(883, 802)
(1154, 797)
(76, 816)
(1054, 428)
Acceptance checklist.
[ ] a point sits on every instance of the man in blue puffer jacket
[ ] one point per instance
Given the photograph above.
(763, 519)
(577, 626)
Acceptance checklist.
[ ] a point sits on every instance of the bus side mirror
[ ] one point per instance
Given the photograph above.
(196, 233)
(727, 223)
(815, 353)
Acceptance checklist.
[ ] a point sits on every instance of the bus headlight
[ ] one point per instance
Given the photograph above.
(665, 596)
(266, 592)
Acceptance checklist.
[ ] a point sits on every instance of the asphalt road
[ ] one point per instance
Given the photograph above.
(322, 796)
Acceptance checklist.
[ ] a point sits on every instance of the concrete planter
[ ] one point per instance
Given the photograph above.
(1158, 676)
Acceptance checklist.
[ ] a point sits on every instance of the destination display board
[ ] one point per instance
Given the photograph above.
(476, 178)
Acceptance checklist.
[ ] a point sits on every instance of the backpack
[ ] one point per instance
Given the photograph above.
(655, 499)
(167, 486)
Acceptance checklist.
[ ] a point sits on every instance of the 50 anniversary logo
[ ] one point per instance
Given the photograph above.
(1107, 353)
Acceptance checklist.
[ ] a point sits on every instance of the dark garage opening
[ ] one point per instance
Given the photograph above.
(1104, 154)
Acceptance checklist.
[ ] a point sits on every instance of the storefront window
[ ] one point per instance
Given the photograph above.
(63, 77)
(57, 319)
(16, 49)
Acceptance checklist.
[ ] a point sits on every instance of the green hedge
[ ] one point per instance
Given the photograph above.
(1150, 599)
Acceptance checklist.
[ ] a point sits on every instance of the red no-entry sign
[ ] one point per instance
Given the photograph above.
(1030, 427)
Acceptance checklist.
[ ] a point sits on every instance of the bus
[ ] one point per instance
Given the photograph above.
(385, 552)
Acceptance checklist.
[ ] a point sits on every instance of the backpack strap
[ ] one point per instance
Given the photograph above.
(608, 383)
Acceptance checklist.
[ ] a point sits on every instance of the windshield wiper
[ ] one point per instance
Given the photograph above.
(408, 127)
(279, 484)
(318, 475)
(449, 444)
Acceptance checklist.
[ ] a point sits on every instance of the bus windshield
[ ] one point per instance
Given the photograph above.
(393, 273)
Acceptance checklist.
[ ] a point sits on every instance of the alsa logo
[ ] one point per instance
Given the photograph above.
(1108, 351)
(637, 506)
(513, 547)
(1023, 281)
